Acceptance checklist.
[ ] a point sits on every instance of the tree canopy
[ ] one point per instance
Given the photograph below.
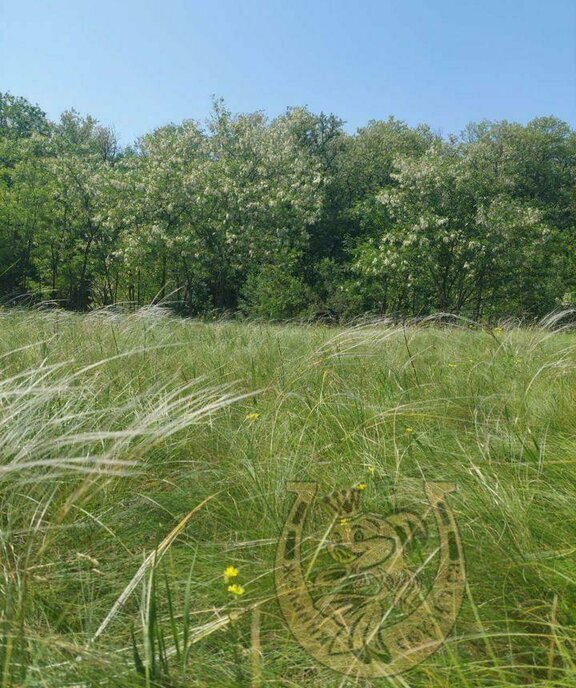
(288, 217)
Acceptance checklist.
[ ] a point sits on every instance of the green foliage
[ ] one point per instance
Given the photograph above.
(19, 118)
(204, 217)
(444, 245)
(275, 294)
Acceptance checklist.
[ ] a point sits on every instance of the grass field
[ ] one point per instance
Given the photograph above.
(122, 435)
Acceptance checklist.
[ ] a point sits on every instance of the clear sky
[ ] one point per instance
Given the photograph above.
(137, 64)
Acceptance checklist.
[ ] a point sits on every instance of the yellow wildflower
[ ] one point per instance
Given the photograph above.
(251, 417)
(371, 470)
(230, 572)
(408, 430)
(361, 486)
(452, 365)
(236, 589)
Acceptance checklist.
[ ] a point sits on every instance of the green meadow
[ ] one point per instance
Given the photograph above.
(143, 454)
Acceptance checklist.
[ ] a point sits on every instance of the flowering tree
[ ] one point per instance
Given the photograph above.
(84, 237)
(444, 243)
(209, 206)
(289, 216)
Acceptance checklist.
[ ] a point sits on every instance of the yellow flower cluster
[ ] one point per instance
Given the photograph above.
(231, 572)
(251, 417)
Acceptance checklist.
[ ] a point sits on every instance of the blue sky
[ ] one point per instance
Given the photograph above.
(137, 64)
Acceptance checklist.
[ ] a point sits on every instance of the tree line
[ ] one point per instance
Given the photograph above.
(288, 217)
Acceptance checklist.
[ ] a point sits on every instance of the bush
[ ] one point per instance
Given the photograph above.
(274, 293)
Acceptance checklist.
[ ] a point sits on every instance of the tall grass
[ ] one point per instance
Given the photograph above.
(142, 454)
